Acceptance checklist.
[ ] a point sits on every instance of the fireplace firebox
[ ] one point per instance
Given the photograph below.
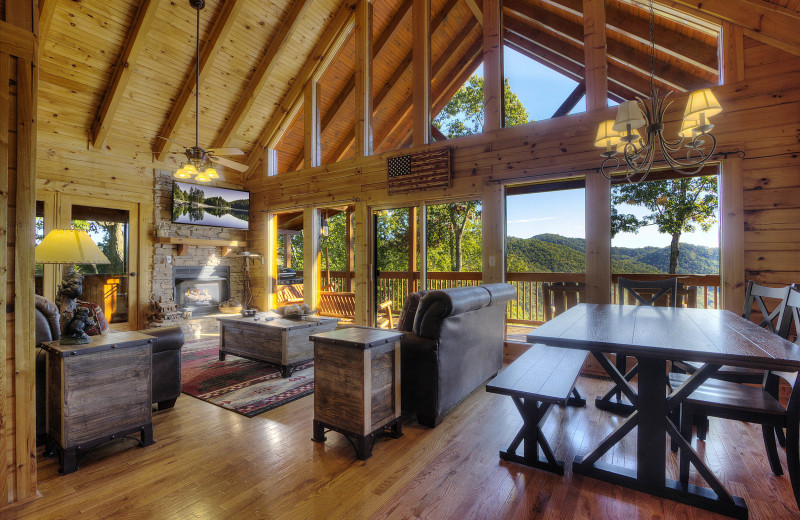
(201, 289)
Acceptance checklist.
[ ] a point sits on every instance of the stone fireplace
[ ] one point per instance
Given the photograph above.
(200, 289)
(217, 277)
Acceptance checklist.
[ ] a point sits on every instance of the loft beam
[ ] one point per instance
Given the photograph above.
(421, 71)
(363, 78)
(476, 10)
(122, 72)
(493, 99)
(183, 106)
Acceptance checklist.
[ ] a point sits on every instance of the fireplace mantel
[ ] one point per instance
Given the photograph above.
(184, 242)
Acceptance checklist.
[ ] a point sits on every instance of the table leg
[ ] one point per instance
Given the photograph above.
(653, 424)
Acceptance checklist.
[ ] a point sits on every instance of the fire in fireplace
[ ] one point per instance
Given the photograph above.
(201, 289)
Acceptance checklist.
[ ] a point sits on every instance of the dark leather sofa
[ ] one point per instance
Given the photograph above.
(166, 359)
(456, 344)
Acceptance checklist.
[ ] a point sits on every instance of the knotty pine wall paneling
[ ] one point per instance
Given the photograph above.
(18, 98)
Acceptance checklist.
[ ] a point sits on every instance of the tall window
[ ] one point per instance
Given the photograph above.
(454, 244)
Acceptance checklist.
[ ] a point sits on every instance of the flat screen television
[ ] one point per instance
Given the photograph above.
(210, 206)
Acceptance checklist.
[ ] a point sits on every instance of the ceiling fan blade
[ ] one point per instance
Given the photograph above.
(173, 141)
(229, 164)
(224, 151)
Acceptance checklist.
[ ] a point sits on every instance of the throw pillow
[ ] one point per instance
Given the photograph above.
(98, 318)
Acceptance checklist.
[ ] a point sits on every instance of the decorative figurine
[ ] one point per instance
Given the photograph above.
(69, 290)
(74, 333)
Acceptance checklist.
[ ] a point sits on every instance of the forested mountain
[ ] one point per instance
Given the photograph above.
(555, 253)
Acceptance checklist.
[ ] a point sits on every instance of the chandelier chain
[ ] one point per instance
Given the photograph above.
(652, 50)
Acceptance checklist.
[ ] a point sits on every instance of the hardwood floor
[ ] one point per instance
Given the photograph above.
(211, 463)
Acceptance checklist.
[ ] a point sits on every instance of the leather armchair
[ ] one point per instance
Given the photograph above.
(47, 329)
(455, 346)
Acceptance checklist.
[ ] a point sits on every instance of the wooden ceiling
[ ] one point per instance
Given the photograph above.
(118, 74)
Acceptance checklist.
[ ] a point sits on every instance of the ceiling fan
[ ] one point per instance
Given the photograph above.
(199, 160)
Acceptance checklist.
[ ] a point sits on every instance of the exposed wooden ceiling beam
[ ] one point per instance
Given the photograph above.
(392, 137)
(403, 67)
(764, 21)
(399, 72)
(464, 69)
(667, 39)
(437, 134)
(569, 61)
(323, 53)
(46, 10)
(637, 82)
(122, 72)
(183, 106)
(385, 36)
(262, 73)
(667, 72)
(476, 10)
(572, 100)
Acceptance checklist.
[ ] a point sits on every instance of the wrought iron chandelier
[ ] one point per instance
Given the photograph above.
(622, 135)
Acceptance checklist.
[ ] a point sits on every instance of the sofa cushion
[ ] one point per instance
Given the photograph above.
(406, 321)
(500, 293)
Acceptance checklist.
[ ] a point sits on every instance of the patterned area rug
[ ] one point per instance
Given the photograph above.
(243, 386)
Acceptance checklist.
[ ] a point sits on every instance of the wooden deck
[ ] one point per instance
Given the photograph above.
(211, 463)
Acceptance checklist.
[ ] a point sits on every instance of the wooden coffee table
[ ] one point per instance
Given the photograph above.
(277, 341)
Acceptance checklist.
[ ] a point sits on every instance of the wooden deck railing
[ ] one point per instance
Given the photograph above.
(527, 307)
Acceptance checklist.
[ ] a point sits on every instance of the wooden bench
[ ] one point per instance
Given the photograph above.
(538, 379)
(342, 305)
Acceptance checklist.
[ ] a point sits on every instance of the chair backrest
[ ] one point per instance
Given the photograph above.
(756, 293)
(560, 296)
(791, 315)
(650, 289)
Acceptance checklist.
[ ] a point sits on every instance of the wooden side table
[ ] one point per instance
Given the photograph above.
(357, 385)
(98, 392)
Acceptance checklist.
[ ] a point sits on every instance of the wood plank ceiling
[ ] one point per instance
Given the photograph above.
(117, 74)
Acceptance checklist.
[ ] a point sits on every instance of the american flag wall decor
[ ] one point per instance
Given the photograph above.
(419, 171)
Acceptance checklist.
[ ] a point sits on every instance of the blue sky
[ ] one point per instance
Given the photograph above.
(542, 91)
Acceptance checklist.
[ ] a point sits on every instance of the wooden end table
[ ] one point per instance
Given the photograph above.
(357, 385)
(277, 341)
(98, 392)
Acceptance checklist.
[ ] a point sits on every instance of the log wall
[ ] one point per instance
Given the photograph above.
(18, 78)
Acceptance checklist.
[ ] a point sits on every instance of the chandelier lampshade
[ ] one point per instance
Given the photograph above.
(702, 104)
(629, 117)
(686, 155)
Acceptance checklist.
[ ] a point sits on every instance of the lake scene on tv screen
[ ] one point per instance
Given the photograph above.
(210, 206)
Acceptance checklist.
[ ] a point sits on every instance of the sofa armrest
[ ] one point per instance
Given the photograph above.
(167, 338)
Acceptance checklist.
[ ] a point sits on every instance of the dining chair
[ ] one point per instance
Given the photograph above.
(645, 292)
(559, 296)
(755, 295)
(760, 405)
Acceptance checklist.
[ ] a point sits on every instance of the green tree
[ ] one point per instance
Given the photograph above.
(463, 114)
(448, 223)
(676, 206)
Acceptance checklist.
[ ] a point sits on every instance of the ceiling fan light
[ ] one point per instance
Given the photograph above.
(181, 173)
(211, 173)
(202, 177)
(190, 169)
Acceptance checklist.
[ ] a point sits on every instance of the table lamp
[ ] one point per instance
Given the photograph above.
(70, 247)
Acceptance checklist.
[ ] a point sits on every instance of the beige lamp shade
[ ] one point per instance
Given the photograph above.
(69, 246)
(606, 135)
(629, 113)
(702, 103)
(688, 126)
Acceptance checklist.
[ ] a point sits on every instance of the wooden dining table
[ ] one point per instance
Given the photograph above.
(655, 335)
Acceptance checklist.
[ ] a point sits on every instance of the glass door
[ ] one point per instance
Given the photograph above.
(396, 260)
(113, 286)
